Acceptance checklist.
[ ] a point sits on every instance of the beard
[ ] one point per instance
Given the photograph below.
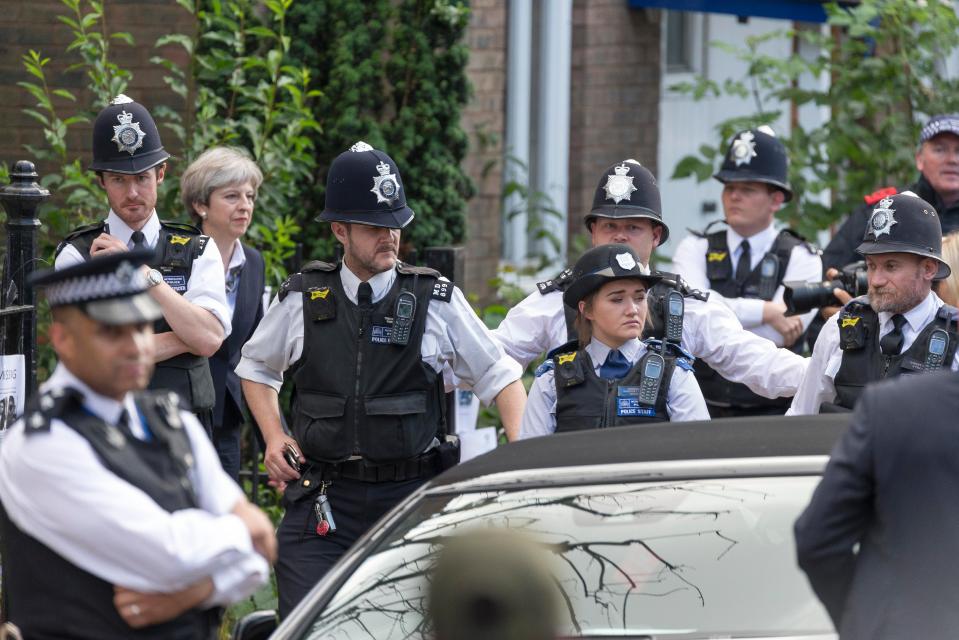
(898, 299)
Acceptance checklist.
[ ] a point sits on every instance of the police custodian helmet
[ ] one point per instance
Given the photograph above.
(627, 190)
(125, 139)
(603, 264)
(364, 186)
(756, 155)
(905, 223)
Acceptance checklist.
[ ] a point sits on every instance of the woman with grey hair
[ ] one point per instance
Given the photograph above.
(219, 191)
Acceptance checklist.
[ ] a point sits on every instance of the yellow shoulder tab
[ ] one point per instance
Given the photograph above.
(179, 239)
(715, 256)
(563, 358)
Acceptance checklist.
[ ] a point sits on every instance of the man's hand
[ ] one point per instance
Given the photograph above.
(260, 528)
(842, 296)
(790, 328)
(105, 243)
(275, 462)
(139, 609)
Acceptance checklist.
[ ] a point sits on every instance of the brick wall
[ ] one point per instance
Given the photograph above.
(614, 111)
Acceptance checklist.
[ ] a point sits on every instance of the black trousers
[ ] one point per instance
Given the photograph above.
(304, 557)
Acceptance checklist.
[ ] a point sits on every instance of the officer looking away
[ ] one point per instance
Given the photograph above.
(627, 209)
(609, 377)
(187, 278)
(900, 326)
(117, 520)
(745, 264)
(365, 341)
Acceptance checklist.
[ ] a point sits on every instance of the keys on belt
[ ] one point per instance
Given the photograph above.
(325, 524)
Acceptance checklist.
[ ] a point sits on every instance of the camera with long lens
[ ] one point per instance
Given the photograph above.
(801, 297)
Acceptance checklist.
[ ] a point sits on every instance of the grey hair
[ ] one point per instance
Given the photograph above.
(216, 167)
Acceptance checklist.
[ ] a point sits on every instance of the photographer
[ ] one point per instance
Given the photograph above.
(900, 326)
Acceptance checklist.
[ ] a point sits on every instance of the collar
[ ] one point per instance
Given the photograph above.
(107, 409)
(238, 259)
(380, 283)
(759, 243)
(122, 232)
(598, 351)
(917, 317)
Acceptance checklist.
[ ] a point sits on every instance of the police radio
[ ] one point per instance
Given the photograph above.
(675, 308)
(403, 318)
(936, 351)
(652, 367)
(768, 276)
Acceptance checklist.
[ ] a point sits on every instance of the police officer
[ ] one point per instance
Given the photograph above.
(187, 277)
(626, 209)
(609, 377)
(366, 341)
(900, 326)
(117, 519)
(745, 264)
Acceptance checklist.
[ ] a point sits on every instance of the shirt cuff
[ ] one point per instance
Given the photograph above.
(502, 373)
(250, 369)
(238, 580)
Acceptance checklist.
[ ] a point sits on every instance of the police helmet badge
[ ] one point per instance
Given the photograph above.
(619, 186)
(360, 146)
(385, 186)
(128, 135)
(882, 219)
(626, 261)
(743, 149)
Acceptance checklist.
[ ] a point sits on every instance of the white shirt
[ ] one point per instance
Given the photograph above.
(454, 336)
(206, 287)
(818, 385)
(684, 400)
(237, 260)
(710, 332)
(55, 488)
(690, 260)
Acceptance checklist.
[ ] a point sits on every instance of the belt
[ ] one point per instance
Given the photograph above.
(421, 466)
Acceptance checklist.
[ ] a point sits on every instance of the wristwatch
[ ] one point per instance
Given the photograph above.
(154, 278)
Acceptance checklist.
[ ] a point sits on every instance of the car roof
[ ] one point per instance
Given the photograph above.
(727, 438)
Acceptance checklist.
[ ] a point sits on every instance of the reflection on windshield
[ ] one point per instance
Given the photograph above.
(674, 558)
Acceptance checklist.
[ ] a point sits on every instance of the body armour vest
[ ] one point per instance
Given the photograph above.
(586, 401)
(761, 283)
(863, 361)
(48, 597)
(359, 387)
(177, 247)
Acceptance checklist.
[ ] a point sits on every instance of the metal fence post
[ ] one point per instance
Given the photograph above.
(21, 199)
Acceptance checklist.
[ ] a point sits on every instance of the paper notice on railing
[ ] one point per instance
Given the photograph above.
(12, 390)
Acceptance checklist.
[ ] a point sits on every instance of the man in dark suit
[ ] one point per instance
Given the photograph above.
(892, 488)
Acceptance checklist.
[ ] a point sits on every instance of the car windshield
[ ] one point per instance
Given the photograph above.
(684, 559)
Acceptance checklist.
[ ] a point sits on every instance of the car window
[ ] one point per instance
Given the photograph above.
(715, 558)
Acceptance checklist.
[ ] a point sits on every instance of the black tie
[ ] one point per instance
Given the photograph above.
(138, 239)
(364, 295)
(744, 265)
(891, 343)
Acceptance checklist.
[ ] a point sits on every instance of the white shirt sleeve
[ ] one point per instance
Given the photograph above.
(276, 344)
(684, 398)
(455, 336)
(206, 287)
(689, 260)
(818, 384)
(539, 417)
(533, 327)
(711, 332)
(68, 257)
(115, 531)
(803, 267)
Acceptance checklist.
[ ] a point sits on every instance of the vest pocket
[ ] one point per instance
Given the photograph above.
(318, 425)
(395, 426)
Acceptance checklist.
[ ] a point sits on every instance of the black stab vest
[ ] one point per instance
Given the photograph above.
(719, 269)
(355, 393)
(863, 361)
(586, 401)
(177, 247)
(48, 597)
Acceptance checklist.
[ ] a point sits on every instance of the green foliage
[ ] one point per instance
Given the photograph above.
(886, 73)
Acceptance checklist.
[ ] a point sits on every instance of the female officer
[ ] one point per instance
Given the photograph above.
(611, 377)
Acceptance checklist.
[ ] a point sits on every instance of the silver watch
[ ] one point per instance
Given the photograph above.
(154, 277)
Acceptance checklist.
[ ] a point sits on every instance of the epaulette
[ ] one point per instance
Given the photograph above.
(675, 281)
(569, 347)
(167, 402)
(684, 359)
(948, 313)
(185, 227)
(810, 247)
(705, 232)
(408, 269)
(202, 241)
(442, 290)
(559, 283)
(87, 228)
(294, 282)
(547, 365)
(879, 194)
(48, 406)
(319, 265)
